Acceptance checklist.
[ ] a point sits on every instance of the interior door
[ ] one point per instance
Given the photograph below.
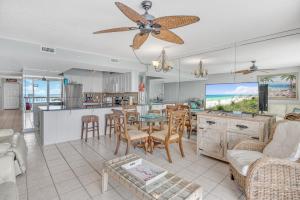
(11, 95)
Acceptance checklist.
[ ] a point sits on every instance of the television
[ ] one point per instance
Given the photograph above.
(229, 97)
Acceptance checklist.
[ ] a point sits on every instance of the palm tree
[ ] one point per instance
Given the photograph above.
(290, 78)
(266, 79)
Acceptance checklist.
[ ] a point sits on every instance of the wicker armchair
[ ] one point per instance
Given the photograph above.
(269, 175)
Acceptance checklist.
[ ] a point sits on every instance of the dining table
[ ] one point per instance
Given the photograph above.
(151, 120)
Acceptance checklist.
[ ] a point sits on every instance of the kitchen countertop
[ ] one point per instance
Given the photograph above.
(91, 106)
(58, 108)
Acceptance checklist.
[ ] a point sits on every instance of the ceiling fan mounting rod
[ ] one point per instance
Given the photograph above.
(146, 5)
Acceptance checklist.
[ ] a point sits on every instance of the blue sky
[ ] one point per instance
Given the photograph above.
(232, 88)
(40, 88)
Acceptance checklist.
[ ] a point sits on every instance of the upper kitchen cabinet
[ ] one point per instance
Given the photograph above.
(115, 82)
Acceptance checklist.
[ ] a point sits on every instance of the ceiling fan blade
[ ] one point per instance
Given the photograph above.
(171, 22)
(131, 14)
(120, 29)
(168, 36)
(245, 71)
(263, 70)
(248, 72)
(139, 40)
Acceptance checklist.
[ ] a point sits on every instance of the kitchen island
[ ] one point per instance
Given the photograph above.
(58, 124)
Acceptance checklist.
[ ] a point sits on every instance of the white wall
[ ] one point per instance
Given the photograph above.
(156, 89)
(192, 89)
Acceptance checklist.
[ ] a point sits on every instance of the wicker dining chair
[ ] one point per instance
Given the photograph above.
(130, 136)
(132, 112)
(173, 134)
(271, 171)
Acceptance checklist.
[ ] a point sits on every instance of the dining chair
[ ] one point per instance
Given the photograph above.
(132, 113)
(188, 119)
(169, 109)
(130, 136)
(173, 134)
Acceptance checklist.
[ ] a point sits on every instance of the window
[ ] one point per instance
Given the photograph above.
(40, 90)
(28, 90)
(55, 91)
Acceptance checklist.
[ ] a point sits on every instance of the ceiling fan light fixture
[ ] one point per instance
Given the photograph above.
(147, 23)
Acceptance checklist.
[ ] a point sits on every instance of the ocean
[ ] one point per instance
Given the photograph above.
(217, 97)
(279, 85)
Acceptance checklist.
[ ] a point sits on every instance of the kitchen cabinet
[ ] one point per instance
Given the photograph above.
(211, 142)
(117, 82)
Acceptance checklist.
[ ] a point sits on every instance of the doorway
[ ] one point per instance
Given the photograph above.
(36, 93)
(11, 96)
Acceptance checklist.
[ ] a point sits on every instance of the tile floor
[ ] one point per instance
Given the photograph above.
(71, 171)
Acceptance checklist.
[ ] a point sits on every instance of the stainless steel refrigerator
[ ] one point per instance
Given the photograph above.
(73, 97)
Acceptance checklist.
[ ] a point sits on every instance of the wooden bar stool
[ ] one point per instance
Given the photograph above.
(85, 121)
(109, 122)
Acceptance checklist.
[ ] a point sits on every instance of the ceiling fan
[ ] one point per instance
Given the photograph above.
(146, 24)
(253, 68)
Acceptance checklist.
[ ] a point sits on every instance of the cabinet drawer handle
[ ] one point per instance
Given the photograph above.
(256, 138)
(210, 122)
(241, 126)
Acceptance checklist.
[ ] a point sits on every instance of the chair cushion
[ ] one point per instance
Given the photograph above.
(136, 134)
(7, 169)
(4, 148)
(161, 135)
(285, 142)
(242, 159)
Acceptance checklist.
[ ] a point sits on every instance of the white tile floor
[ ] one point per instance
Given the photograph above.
(71, 171)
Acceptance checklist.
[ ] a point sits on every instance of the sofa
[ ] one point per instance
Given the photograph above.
(13, 156)
(17, 148)
(8, 187)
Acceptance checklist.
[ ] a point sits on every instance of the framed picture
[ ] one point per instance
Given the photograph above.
(281, 86)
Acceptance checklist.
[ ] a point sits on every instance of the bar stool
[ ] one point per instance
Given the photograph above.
(109, 122)
(85, 121)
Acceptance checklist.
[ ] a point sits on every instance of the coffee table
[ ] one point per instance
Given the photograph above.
(168, 187)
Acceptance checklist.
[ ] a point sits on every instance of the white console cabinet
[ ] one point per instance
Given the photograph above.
(219, 132)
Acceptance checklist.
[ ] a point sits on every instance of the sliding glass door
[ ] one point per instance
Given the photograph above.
(39, 92)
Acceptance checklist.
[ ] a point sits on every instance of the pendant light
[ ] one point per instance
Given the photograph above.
(200, 72)
(162, 64)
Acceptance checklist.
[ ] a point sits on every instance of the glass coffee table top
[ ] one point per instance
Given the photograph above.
(169, 186)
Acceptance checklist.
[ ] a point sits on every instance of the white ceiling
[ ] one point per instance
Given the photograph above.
(68, 25)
